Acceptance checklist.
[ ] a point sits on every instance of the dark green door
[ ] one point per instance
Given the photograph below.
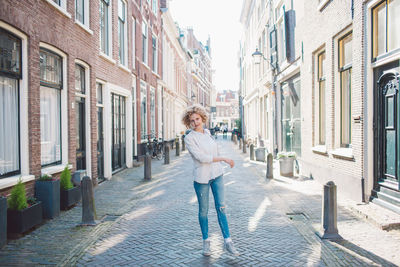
(389, 145)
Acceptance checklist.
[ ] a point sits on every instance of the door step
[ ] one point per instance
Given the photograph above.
(387, 197)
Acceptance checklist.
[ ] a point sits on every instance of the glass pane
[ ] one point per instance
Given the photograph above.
(104, 27)
(379, 24)
(393, 24)
(322, 116)
(121, 10)
(9, 126)
(50, 69)
(345, 107)
(389, 112)
(346, 52)
(50, 125)
(79, 79)
(121, 34)
(321, 67)
(10, 59)
(80, 11)
(391, 152)
(99, 93)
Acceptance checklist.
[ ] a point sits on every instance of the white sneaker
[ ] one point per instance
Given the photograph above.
(228, 246)
(206, 248)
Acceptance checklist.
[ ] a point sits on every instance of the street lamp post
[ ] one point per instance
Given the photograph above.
(257, 56)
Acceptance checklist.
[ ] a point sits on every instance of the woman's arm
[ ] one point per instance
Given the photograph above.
(226, 160)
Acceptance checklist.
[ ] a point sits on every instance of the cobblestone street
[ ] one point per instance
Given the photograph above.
(154, 223)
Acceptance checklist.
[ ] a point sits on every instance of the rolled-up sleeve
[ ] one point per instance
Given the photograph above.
(195, 151)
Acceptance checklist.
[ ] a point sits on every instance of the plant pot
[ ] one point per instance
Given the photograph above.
(260, 154)
(20, 221)
(3, 221)
(48, 192)
(286, 166)
(70, 197)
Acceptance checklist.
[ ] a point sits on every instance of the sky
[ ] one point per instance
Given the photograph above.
(218, 19)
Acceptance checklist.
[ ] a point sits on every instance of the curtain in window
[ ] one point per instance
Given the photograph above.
(9, 130)
(50, 125)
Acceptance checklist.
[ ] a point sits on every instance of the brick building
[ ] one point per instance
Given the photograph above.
(227, 109)
(333, 82)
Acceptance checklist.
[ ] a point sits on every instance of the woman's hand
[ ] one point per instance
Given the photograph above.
(230, 162)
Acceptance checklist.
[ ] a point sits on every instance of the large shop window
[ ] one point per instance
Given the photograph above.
(104, 26)
(321, 98)
(386, 21)
(143, 111)
(10, 74)
(50, 107)
(345, 66)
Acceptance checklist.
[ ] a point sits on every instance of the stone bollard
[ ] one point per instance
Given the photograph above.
(235, 139)
(270, 167)
(252, 152)
(183, 143)
(3, 221)
(177, 151)
(166, 154)
(88, 205)
(244, 146)
(147, 167)
(240, 143)
(329, 213)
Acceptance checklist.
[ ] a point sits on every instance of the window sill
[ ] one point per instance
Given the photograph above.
(13, 180)
(59, 9)
(106, 57)
(122, 67)
(344, 153)
(320, 149)
(83, 26)
(54, 169)
(322, 4)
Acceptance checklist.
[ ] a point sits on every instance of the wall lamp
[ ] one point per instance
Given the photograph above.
(257, 55)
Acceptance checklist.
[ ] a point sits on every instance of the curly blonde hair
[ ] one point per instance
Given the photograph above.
(196, 108)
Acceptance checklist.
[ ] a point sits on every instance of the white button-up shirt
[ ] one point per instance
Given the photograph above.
(203, 148)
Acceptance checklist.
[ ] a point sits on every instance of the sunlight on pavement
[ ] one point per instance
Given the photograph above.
(253, 221)
(193, 200)
(144, 190)
(109, 243)
(137, 213)
(154, 195)
(314, 254)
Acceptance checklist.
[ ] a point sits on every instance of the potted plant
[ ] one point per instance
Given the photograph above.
(47, 190)
(21, 214)
(69, 195)
(3, 221)
(286, 160)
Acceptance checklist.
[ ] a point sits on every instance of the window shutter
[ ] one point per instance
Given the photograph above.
(290, 21)
(273, 45)
(284, 24)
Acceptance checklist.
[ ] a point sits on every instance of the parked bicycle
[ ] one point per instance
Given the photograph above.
(155, 148)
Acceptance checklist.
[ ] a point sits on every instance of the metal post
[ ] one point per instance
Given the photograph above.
(270, 167)
(252, 152)
(166, 154)
(244, 146)
(177, 148)
(240, 143)
(88, 205)
(147, 167)
(183, 143)
(329, 213)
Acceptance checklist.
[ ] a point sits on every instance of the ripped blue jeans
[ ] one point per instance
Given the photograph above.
(202, 192)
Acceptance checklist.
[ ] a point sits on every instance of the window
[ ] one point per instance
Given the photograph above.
(386, 35)
(281, 32)
(122, 31)
(345, 64)
(10, 75)
(57, 2)
(133, 42)
(154, 46)
(321, 98)
(153, 110)
(155, 7)
(143, 110)
(80, 112)
(99, 93)
(50, 107)
(80, 11)
(144, 42)
(104, 26)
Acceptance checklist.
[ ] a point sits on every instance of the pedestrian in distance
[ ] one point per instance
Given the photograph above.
(208, 173)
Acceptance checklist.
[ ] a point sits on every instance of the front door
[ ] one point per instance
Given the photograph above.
(119, 131)
(388, 127)
(100, 143)
(291, 116)
(80, 134)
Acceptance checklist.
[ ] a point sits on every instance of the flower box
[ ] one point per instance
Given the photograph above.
(48, 192)
(70, 197)
(20, 221)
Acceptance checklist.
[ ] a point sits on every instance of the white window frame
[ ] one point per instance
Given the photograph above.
(154, 66)
(86, 16)
(109, 23)
(145, 44)
(125, 50)
(62, 7)
(23, 113)
(154, 6)
(143, 132)
(153, 111)
(88, 140)
(133, 43)
(64, 113)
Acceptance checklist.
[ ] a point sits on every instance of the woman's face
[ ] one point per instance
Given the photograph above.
(196, 121)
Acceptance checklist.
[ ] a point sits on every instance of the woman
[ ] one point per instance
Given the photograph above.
(207, 173)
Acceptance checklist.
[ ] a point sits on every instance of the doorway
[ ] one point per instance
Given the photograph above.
(118, 132)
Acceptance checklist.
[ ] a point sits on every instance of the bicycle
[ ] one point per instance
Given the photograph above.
(155, 148)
